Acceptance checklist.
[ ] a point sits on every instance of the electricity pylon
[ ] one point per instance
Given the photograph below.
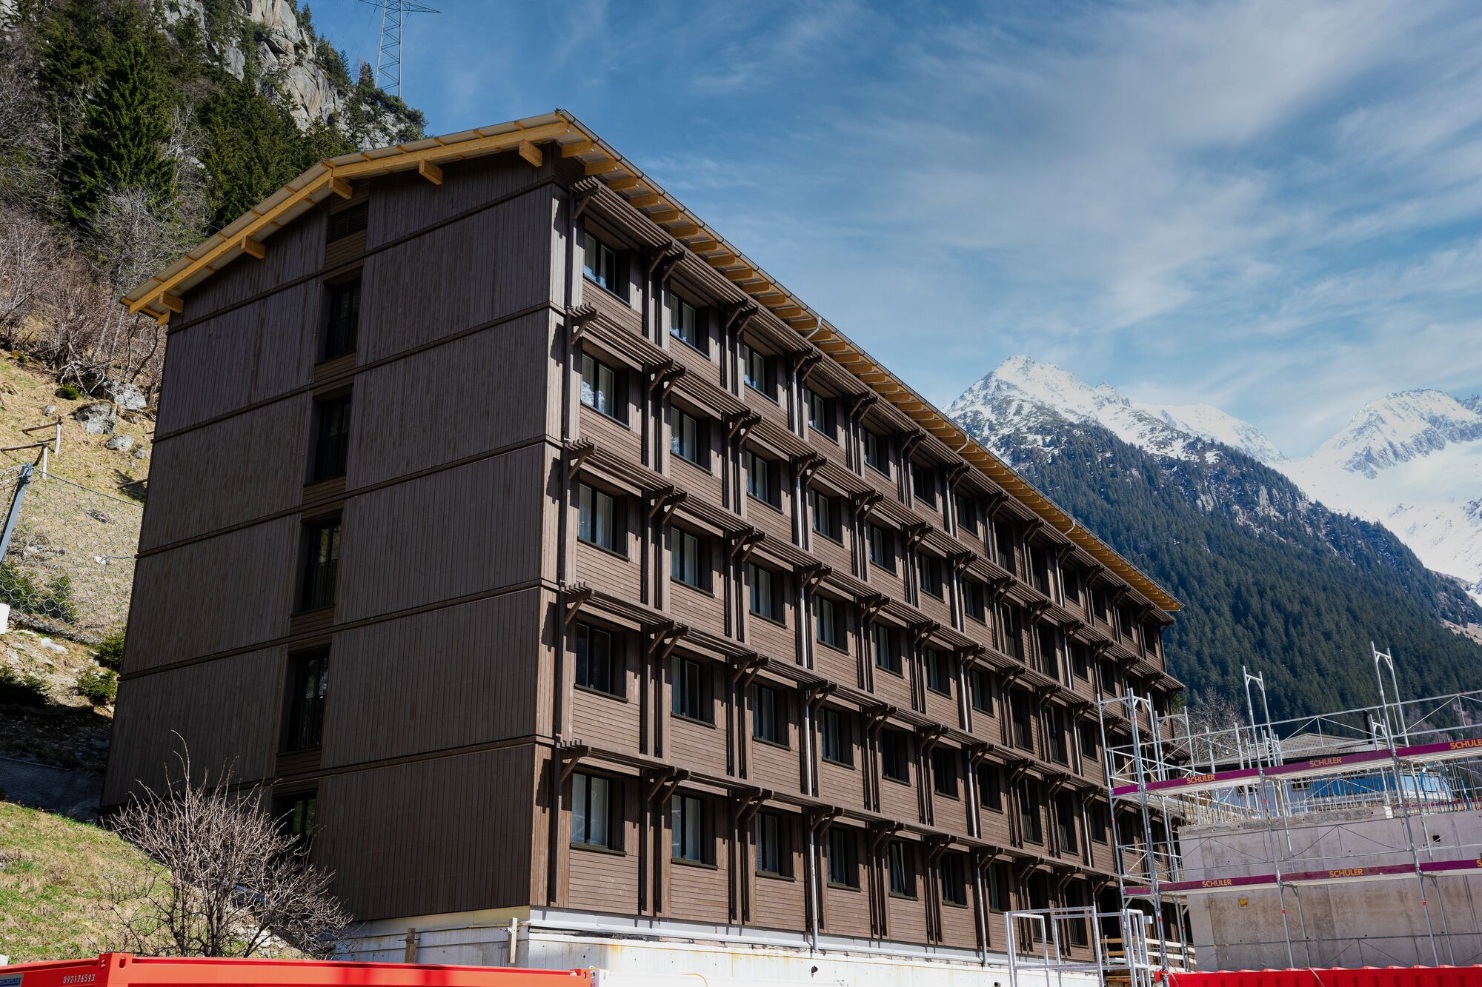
(388, 61)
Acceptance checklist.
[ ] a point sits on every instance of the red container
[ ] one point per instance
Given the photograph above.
(127, 970)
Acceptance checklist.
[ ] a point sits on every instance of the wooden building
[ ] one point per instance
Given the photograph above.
(542, 555)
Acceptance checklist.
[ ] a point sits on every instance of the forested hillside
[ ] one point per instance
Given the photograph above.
(1268, 579)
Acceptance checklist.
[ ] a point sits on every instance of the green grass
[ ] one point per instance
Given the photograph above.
(53, 876)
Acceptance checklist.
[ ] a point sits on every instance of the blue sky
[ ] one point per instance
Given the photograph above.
(1272, 207)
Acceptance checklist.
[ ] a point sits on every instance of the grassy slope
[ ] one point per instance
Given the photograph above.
(53, 873)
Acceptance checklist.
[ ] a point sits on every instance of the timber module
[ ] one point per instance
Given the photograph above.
(549, 561)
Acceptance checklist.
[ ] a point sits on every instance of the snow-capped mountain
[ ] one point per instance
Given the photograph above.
(1411, 462)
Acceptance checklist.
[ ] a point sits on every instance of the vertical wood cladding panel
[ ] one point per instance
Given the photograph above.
(249, 354)
(226, 712)
(447, 834)
(906, 917)
(461, 531)
(468, 396)
(445, 678)
(701, 746)
(226, 592)
(268, 446)
(291, 253)
(402, 204)
(499, 260)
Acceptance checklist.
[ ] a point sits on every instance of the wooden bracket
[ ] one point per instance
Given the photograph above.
(579, 318)
(860, 403)
(804, 465)
(430, 171)
(915, 534)
(815, 693)
(252, 248)
(880, 832)
(662, 637)
(662, 375)
(340, 187)
(577, 453)
(805, 363)
(810, 576)
(936, 846)
(664, 501)
(667, 259)
(929, 737)
(822, 819)
(864, 503)
(743, 542)
(739, 314)
(748, 801)
(909, 444)
(921, 630)
(568, 756)
(172, 303)
(745, 668)
(956, 472)
(871, 605)
(960, 561)
(740, 424)
(663, 781)
(577, 596)
(532, 154)
(876, 715)
(994, 501)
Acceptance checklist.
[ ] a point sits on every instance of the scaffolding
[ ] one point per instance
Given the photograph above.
(1267, 809)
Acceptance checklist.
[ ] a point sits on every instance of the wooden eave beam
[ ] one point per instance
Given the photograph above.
(430, 171)
(643, 199)
(340, 187)
(252, 248)
(601, 166)
(625, 183)
(577, 148)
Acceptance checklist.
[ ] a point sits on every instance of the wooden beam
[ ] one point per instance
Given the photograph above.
(253, 248)
(340, 187)
(173, 303)
(643, 199)
(430, 171)
(664, 215)
(532, 154)
(601, 166)
(624, 183)
(576, 148)
(683, 229)
(163, 318)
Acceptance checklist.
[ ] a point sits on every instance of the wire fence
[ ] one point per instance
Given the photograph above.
(69, 569)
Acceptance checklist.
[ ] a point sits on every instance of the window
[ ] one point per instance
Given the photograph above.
(321, 564)
(827, 520)
(1021, 721)
(757, 368)
(1005, 539)
(843, 862)
(1000, 880)
(877, 452)
(954, 879)
(762, 478)
(331, 437)
(821, 413)
(980, 685)
(1065, 823)
(600, 264)
(828, 616)
(1080, 660)
(838, 745)
(599, 388)
(990, 786)
(687, 324)
(930, 569)
(768, 715)
(1098, 603)
(598, 522)
(688, 562)
(938, 671)
(882, 547)
(689, 829)
(1049, 657)
(1058, 749)
(924, 484)
(690, 691)
(975, 600)
(1088, 743)
(1030, 823)
(1013, 632)
(886, 642)
(944, 771)
(308, 676)
(1100, 818)
(342, 319)
(895, 755)
(296, 814)
(689, 438)
(598, 663)
(902, 869)
(593, 808)
(766, 592)
(967, 514)
(773, 854)
(1039, 569)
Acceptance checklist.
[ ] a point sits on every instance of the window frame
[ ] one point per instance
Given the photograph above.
(953, 879)
(938, 670)
(767, 387)
(835, 737)
(318, 581)
(771, 472)
(975, 600)
(589, 499)
(831, 631)
(989, 779)
(825, 507)
(692, 432)
(303, 727)
(980, 690)
(775, 610)
(878, 536)
(331, 448)
(583, 639)
(340, 331)
(593, 384)
(583, 783)
(924, 485)
(681, 805)
(896, 654)
(841, 855)
(691, 698)
(900, 865)
(895, 753)
(821, 413)
(680, 539)
(948, 758)
(780, 842)
(606, 255)
(876, 452)
(699, 329)
(771, 726)
(936, 585)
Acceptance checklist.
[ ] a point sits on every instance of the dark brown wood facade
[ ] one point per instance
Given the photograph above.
(928, 651)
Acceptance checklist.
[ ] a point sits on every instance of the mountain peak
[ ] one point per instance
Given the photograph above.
(1400, 427)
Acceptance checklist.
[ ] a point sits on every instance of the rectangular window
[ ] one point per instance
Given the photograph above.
(1030, 822)
(1005, 540)
(837, 744)
(1049, 657)
(1088, 733)
(980, 684)
(342, 319)
(944, 771)
(902, 869)
(828, 617)
(990, 786)
(296, 814)
(690, 695)
(687, 324)
(593, 806)
(1021, 720)
(599, 388)
(768, 715)
(689, 438)
(598, 522)
(877, 452)
(843, 860)
(1100, 822)
(895, 755)
(954, 879)
(1000, 883)
(331, 437)
(882, 547)
(938, 671)
(967, 514)
(308, 678)
(1065, 823)
(598, 663)
(773, 852)
(321, 565)
(929, 567)
(821, 414)
(762, 478)
(688, 561)
(827, 520)
(886, 642)
(924, 484)
(975, 600)
(1058, 749)
(1013, 632)
(757, 367)
(1080, 660)
(689, 829)
(766, 592)
(600, 265)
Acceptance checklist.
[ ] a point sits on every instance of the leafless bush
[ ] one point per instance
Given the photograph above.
(30, 251)
(1213, 712)
(231, 881)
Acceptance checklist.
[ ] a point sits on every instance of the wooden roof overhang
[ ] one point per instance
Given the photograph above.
(160, 296)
